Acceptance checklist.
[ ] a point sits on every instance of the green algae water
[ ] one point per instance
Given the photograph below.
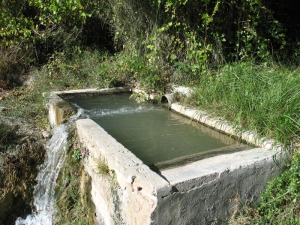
(159, 137)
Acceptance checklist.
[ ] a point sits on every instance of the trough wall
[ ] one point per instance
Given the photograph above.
(207, 191)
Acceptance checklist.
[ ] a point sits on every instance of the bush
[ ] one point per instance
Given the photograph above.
(14, 62)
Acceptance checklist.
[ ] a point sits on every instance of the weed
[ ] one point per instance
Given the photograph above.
(104, 170)
(139, 97)
(114, 182)
(280, 202)
(62, 73)
(13, 63)
(103, 167)
(76, 155)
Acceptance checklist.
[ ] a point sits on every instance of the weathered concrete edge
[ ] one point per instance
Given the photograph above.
(129, 168)
(195, 171)
(216, 187)
(60, 110)
(224, 126)
(135, 179)
(94, 91)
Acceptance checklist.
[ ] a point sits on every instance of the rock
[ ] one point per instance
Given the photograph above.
(46, 134)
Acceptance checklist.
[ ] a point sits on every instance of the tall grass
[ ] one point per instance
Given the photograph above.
(86, 69)
(264, 98)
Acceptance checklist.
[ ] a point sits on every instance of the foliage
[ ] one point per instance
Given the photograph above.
(131, 20)
(264, 98)
(39, 28)
(14, 23)
(23, 20)
(280, 201)
(191, 36)
(176, 40)
(76, 155)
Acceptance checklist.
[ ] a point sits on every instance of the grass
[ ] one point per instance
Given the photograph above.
(280, 202)
(264, 98)
(104, 171)
(73, 203)
(103, 168)
(88, 69)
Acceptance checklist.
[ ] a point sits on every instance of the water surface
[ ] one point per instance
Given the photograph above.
(154, 134)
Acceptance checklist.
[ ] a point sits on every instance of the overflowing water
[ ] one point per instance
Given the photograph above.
(44, 200)
(121, 111)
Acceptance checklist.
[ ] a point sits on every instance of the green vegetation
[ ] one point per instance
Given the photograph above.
(242, 56)
(264, 98)
(280, 201)
(103, 167)
(170, 41)
(76, 155)
(110, 175)
(62, 73)
(73, 204)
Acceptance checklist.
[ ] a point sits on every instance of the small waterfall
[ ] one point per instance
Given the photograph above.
(121, 111)
(44, 191)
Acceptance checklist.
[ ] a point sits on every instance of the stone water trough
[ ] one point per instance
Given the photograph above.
(126, 191)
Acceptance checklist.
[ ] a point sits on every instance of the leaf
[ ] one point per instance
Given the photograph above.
(173, 57)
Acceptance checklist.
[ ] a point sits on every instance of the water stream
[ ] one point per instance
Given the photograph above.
(44, 191)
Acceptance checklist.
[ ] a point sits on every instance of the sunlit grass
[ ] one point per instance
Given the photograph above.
(264, 98)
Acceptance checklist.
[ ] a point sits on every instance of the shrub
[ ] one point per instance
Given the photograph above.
(14, 62)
